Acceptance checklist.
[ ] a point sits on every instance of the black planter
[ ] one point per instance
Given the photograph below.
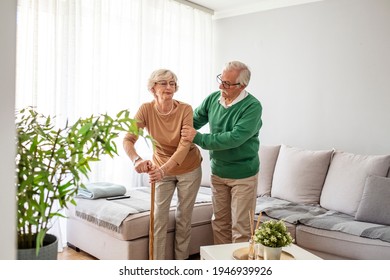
(48, 251)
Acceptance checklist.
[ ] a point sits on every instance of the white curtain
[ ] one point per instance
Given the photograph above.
(82, 57)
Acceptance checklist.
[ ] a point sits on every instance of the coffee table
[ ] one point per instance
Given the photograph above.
(225, 252)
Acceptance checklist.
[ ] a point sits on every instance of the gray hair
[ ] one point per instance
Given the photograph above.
(161, 74)
(245, 74)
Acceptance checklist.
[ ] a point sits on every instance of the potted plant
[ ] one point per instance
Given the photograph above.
(273, 235)
(51, 163)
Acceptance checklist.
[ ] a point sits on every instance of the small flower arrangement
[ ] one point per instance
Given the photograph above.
(273, 233)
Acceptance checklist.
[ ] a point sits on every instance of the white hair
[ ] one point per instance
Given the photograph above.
(161, 74)
(245, 74)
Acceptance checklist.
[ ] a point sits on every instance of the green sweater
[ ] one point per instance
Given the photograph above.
(233, 140)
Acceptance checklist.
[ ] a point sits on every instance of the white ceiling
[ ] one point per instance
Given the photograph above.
(228, 8)
(220, 5)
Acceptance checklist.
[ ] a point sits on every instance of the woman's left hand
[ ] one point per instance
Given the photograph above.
(155, 174)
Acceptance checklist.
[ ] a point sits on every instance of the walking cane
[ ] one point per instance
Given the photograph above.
(151, 225)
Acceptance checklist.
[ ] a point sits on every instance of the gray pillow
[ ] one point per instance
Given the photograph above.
(346, 178)
(375, 204)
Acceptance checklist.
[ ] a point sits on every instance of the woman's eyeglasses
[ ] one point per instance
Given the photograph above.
(166, 83)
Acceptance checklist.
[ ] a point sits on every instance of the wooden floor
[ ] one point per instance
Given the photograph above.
(71, 254)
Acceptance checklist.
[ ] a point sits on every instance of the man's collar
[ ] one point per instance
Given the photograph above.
(240, 97)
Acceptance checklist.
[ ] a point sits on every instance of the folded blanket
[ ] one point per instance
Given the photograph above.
(288, 211)
(100, 190)
(110, 214)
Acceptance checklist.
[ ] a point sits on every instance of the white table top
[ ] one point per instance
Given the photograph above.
(225, 252)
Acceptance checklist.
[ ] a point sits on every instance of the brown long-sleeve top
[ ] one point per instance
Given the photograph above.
(166, 131)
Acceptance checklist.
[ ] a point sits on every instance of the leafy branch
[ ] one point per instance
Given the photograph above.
(51, 163)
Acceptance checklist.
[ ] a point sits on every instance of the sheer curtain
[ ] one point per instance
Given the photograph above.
(82, 57)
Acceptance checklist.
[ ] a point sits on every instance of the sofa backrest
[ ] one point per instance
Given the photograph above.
(333, 179)
(268, 156)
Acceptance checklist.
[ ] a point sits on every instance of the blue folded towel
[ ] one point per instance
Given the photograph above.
(100, 190)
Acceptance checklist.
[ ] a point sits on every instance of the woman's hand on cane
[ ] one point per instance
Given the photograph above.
(155, 174)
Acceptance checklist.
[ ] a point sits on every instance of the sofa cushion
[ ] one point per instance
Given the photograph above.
(129, 219)
(338, 244)
(299, 174)
(137, 225)
(374, 206)
(346, 178)
(268, 156)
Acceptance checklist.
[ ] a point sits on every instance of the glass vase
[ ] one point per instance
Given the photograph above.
(251, 250)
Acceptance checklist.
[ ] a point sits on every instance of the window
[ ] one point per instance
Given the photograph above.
(76, 58)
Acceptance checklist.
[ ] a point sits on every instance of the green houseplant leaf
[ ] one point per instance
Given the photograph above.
(51, 163)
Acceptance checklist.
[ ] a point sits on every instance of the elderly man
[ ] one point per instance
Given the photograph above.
(234, 117)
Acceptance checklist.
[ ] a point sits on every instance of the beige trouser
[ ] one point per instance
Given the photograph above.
(187, 186)
(232, 201)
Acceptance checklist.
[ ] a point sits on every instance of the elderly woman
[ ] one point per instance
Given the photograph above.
(176, 163)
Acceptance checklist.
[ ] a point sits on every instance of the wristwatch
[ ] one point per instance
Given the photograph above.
(136, 159)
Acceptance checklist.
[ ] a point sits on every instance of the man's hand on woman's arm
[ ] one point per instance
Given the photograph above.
(188, 133)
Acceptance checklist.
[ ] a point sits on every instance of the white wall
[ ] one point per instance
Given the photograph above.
(7, 128)
(321, 71)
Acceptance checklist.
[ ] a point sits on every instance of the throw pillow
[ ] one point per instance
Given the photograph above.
(268, 156)
(300, 174)
(346, 178)
(374, 206)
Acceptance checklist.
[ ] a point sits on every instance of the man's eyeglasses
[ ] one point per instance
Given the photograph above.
(166, 83)
(226, 85)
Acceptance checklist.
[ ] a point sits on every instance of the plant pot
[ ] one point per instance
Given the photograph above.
(272, 253)
(48, 251)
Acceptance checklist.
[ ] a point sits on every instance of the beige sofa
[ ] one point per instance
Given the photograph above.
(334, 203)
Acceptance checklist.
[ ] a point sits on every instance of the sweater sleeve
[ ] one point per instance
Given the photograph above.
(184, 146)
(246, 127)
(200, 114)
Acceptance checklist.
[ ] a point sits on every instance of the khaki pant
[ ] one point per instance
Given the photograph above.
(187, 187)
(232, 201)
